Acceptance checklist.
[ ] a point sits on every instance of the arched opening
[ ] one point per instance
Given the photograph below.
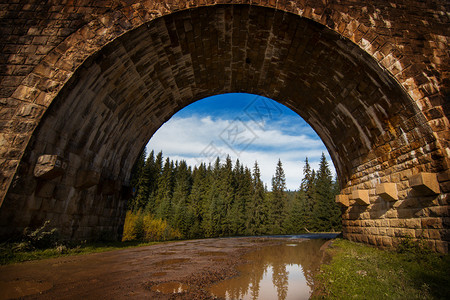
(232, 165)
(245, 127)
(121, 95)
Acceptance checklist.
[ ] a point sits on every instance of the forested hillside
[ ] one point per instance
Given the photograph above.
(174, 200)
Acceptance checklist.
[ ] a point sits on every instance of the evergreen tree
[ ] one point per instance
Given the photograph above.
(242, 182)
(183, 217)
(226, 195)
(308, 195)
(325, 209)
(139, 165)
(256, 208)
(156, 171)
(198, 199)
(297, 216)
(215, 202)
(136, 177)
(278, 201)
(144, 184)
(163, 199)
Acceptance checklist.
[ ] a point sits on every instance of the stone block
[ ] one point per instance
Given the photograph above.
(342, 200)
(371, 239)
(439, 211)
(413, 223)
(403, 232)
(392, 213)
(425, 183)
(441, 246)
(387, 191)
(361, 197)
(49, 167)
(390, 231)
(386, 241)
(45, 189)
(395, 223)
(373, 231)
(86, 179)
(109, 187)
(433, 223)
(47, 206)
(34, 203)
(23, 186)
(434, 234)
(93, 220)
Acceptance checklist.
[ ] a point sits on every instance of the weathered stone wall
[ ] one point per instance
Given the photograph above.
(371, 77)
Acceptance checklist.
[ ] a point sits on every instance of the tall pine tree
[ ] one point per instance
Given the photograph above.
(183, 216)
(163, 197)
(325, 209)
(278, 201)
(256, 208)
(136, 178)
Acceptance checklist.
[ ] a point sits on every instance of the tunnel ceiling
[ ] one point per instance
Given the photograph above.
(121, 95)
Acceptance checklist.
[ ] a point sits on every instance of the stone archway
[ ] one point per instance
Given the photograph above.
(75, 168)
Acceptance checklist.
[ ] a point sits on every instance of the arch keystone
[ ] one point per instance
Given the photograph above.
(387, 191)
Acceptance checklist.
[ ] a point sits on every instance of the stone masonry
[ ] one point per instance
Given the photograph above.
(84, 85)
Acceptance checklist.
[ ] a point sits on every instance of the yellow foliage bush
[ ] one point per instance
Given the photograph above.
(142, 226)
(130, 228)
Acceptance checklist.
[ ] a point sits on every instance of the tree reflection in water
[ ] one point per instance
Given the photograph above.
(275, 272)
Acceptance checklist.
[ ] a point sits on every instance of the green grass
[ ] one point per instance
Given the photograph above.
(9, 255)
(358, 271)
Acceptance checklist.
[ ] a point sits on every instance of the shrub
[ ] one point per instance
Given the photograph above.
(142, 226)
(40, 238)
(130, 228)
(416, 247)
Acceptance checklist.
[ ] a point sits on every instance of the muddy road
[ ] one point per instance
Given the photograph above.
(151, 272)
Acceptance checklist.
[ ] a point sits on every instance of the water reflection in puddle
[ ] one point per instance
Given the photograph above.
(280, 272)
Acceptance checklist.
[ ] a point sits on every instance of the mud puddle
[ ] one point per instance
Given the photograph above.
(21, 288)
(146, 273)
(280, 272)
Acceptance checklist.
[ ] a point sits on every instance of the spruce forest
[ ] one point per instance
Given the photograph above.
(174, 200)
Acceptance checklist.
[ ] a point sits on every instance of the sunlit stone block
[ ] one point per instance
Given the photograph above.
(361, 197)
(425, 183)
(49, 167)
(342, 200)
(387, 191)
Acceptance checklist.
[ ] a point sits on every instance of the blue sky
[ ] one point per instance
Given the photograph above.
(246, 127)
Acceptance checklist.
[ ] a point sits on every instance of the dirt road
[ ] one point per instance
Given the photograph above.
(137, 273)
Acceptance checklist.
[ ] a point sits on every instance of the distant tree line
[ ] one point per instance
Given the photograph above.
(226, 199)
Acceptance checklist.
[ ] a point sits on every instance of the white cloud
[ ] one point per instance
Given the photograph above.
(200, 139)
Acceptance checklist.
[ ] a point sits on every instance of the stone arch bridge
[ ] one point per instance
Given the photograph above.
(85, 84)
